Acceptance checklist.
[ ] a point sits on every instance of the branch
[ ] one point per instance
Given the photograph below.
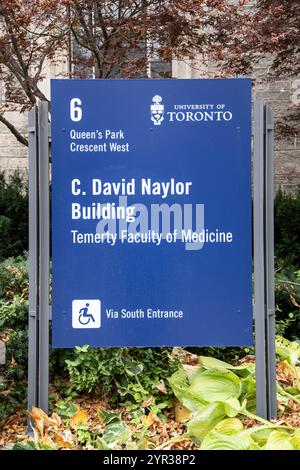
(101, 22)
(20, 138)
(23, 66)
(287, 282)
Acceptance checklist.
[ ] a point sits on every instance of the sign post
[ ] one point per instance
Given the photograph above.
(39, 217)
(151, 221)
(264, 303)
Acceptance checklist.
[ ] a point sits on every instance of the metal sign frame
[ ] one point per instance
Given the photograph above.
(39, 259)
(263, 224)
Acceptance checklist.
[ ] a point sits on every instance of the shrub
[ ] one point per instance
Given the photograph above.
(14, 278)
(13, 215)
(287, 294)
(121, 373)
(13, 327)
(287, 227)
(13, 314)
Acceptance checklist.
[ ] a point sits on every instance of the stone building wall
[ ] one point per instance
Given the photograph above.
(14, 155)
(280, 96)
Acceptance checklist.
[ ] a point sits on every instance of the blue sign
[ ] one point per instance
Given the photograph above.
(152, 232)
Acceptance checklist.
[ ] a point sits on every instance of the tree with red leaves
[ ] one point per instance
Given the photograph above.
(261, 28)
(117, 38)
(30, 36)
(265, 29)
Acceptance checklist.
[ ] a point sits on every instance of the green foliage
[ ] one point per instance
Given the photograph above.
(287, 251)
(30, 445)
(65, 409)
(205, 419)
(270, 437)
(14, 278)
(287, 227)
(216, 393)
(216, 396)
(222, 353)
(215, 385)
(288, 350)
(120, 373)
(13, 313)
(13, 316)
(12, 396)
(116, 431)
(13, 215)
(76, 431)
(13, 326)
(240, 440)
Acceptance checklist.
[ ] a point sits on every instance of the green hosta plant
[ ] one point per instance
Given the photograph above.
(196, 389)
(211, 395)
(237, 441)
(242, 370)
(288, 350)
(214, 385)
(180, 385)
(230, 434)
(205, 419)
(289, 353)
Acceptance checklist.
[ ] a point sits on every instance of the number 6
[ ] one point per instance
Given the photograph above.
(75, 110)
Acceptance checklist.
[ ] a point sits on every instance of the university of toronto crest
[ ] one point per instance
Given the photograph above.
(157, 110)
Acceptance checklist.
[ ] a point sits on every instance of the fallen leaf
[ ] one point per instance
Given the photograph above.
(150, 419)
(46, 441)
(161, 386)
(39, 417)
(55, 420)
(62, 442)
(182, 414)
(185, 357)
(147, 403)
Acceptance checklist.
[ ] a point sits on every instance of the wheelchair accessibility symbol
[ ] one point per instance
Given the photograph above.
(86, 313)
(84, 316)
